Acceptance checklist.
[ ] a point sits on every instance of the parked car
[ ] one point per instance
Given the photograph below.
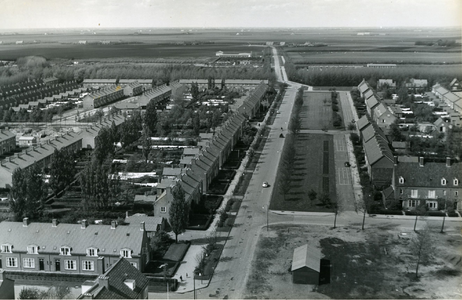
(265, 184)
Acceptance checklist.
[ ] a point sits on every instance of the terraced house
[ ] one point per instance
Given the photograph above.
(32, 248)
(7, 141)
(102, 97)
(431, 183)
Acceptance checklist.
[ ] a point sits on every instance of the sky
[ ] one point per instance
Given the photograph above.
(17, 14)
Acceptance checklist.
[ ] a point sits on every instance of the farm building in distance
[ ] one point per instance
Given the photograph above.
(241, 55)
(306, 265)
(381, 65)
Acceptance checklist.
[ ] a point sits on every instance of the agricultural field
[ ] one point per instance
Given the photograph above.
(363, 57)
(370, 264)
(193, 43)
(316, 112)
(314, 170)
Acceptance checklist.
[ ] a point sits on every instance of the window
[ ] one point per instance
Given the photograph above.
(431, 194)
(456, 181)
(163, 209)
(413, 203)
(456, 193)
(11, 262)
(65, 251)
(414, 193)
(88, 265)
(432, 204)
(6, 248)
(401, 180)
(70, 265)
(92, 252)
(401, 191)
(127, 253)
(444, 192)
(32, 249)
(443, 181)
(29, 263)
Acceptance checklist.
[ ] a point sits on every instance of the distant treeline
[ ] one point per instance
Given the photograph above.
(37, 67)
(446, 43)
(352, 76)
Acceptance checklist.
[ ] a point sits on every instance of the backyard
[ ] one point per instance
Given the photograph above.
(374, 263)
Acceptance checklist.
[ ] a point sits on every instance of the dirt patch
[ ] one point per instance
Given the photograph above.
(373, 264)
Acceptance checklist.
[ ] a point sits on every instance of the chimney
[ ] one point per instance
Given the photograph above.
(142, 226)
(103, 281)
(448, 161)
(25, 222)
(113, 224)
(126, 214)
(54, 223)
(83, 224)
(421, 161)
(100, 265)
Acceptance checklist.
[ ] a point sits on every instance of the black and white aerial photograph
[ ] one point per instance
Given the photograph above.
(240, 149)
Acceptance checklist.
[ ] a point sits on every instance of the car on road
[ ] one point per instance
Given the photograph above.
(347, 164)
(265, 184)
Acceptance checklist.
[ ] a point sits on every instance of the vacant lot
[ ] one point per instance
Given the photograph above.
(316, 111)
(314, 169)
(371, 264)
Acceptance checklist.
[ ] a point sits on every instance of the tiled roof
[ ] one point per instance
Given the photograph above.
(362, 122)
(452, 97)
(306, 256)
(377, 148)
(380, 110)
(50, 239)
(6, 134)
(363, 86)
(116, 276)
(151, 224)
(372, 102)
(429, 175)
(368, 94)
(441, 90)
(368, 133)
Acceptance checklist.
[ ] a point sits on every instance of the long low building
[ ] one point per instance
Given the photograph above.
(103, 96)
(203, 83)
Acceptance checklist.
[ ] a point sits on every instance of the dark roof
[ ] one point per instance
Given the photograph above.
(117, 275)
(429, 175)
(372, 102)
(377, 148)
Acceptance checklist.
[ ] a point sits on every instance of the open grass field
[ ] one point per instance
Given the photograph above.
(316, 111)
(370, 264)
(314, 169)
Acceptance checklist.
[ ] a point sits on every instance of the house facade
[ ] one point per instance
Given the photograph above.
(7, 141)
(70, 248)
(435, 184)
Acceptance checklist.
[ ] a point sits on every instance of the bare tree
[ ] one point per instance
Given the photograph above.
(422, 248)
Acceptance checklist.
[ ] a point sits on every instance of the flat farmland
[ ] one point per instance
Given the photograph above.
(316, 112)
(363, 57)
(314, 169)
(134, 50)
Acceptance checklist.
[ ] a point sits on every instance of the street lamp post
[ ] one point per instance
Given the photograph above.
(194, 284)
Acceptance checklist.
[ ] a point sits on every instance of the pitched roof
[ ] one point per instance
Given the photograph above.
(368, 133)
(6, 134)
(377, 148)
(363, 86)
(50, 239)
(119, 273)
(372, 102)
(171, 171)
(441, 90)
(306, 256)
(151, 224)
(362, 122)
(429, 175)
(380, 110)
(368, 94)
